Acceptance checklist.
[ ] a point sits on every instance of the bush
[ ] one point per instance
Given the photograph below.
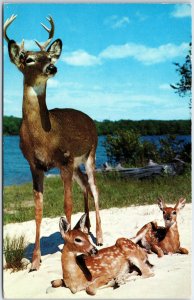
(127, 148)
(14, 252)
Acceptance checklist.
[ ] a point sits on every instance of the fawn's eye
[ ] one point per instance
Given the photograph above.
(163, 212)
(30, 60)
(78, 240)
(174, 212)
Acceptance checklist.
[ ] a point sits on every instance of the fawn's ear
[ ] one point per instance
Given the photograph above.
(55, 50)
(64, 226)
(81, 223)
(180, 204)
(161, 203)
(14, 53)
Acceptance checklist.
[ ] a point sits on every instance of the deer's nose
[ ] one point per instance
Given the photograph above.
(51, 69)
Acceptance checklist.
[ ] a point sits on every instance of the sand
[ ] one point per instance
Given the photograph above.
(172, 272)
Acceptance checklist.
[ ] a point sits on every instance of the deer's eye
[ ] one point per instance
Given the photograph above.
(22, 55)
(163, 212)
(174, 212)
(78, 240)
(30, 60)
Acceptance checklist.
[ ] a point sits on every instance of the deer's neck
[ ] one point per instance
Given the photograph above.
(172, 233)
(34, 105)
(73, 276)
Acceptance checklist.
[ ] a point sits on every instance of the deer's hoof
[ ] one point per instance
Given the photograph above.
(32, 270)
(35, 265)
(99, 244)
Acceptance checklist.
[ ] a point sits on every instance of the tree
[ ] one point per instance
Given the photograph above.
(183, 87)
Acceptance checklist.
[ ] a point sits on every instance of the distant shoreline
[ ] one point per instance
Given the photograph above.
(11, 126)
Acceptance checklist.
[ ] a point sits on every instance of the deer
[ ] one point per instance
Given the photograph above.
(86, 268)
(56, 138)
(162, 240)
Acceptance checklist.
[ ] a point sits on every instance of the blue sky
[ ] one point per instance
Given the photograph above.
(117, 59)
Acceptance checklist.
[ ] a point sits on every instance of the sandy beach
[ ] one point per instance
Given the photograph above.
(172, 273)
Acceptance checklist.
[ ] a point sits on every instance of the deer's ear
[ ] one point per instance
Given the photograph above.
(14, 52)
(64, 226)
(161, 203)
(55, 50)
(81, 223)
(180, 204)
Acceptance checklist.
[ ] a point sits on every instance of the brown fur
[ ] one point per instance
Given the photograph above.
(61, 138)
(163, 240)
(109, 265)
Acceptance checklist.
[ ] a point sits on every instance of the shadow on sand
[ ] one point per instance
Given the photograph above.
(49, 245)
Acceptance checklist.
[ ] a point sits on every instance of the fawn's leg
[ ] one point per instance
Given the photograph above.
(90, 169)
(57, 283)
(38, 178)
(67, 177)
(156, 249)
(98, 282)
(183, 250)
(142, 266)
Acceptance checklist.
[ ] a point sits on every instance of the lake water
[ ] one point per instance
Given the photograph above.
(16, 169)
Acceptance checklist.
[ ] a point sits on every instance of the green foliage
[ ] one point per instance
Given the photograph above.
(14, 252)
(183, 87)
(11, 125)
(126, 147)
(114, 191)
(145, 127)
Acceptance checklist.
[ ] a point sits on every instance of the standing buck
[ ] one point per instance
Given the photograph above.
(62, 138)
(163, 240)
(98, 268)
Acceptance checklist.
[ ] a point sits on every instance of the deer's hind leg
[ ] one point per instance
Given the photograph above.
(82, 180)
(67, 178)
(90, 170)
(38, 178)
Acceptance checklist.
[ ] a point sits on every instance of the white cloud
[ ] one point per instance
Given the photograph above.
(121, 22)
(144, 54)
(116, 22)
(80, 58)
(141, 53)
(182, 11)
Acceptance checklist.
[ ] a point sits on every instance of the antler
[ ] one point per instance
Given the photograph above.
(51, 34)
(6, 25)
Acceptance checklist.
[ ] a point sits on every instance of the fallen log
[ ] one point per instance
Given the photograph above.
(176, 167)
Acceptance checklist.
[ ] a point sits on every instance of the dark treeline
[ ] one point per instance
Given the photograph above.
(11, 126)
(145, 127)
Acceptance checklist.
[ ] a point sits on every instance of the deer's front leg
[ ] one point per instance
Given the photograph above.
(38, 178)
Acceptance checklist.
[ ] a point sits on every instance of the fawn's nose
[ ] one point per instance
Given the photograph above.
(168, 217)
(51, 69)
(93, 251)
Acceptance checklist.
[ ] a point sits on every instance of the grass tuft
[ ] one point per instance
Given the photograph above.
(14, 249)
